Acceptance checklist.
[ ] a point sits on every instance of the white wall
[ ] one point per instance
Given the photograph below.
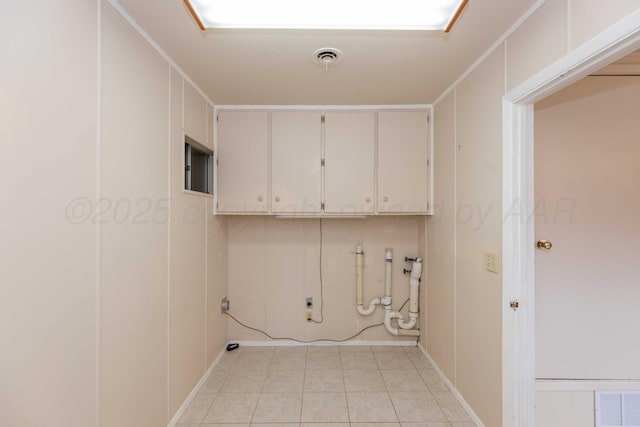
(565, 408)
(441, 243)
(107, 319)
(133, 253)
(471, 199)
(274, 266)
(48, 125)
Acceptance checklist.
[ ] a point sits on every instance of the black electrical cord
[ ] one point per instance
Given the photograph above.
(321, 311)
(321, 282)
(302, 341)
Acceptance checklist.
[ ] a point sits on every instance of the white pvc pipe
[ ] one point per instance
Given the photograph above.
(372, 307)
(414, 285)
(414, 292)
(389, 315)
(359, 286)
(388, 259)
(409, 332)
(413, 319)
(359, 256)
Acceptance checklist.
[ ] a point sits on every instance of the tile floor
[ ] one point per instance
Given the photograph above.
(325, 386)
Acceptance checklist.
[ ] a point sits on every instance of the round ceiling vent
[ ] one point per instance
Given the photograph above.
(327, 57)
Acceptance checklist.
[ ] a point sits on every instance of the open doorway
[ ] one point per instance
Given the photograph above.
(587, 266)
(519, 234)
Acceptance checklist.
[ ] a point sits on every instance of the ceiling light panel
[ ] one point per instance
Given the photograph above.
(327, 14)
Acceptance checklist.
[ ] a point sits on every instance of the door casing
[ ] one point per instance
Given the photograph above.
(518, 241)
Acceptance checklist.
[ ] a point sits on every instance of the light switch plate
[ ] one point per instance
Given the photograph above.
(491, 263)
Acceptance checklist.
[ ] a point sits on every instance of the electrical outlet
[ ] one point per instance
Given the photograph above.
(309, 315)
(492, 263)
(224, 305)
(309, 302)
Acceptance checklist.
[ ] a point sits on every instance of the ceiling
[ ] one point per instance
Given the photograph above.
(275, 67)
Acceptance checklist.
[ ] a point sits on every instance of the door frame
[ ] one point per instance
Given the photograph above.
(518, 238)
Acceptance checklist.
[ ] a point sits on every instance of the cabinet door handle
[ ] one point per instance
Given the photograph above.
(385, 199)
(367, 199)
(277, 198)
(260, 198)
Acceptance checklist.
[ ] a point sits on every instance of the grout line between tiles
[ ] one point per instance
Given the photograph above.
(304, 379)
(344, 386)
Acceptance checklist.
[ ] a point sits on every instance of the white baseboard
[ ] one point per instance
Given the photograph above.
(288, 343)
(478, 422)
(196, 389)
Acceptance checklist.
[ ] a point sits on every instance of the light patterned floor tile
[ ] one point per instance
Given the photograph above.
(227, 362)
(324, 424)
(419, 361)
(284, 381)
(330, 360)
(354, 348)
(214, 382)
(417, 407)
(274, 425)
(253, 361)
(369, 380)
(323, 349)
(451, 407)
(324, 407)
(375, 424)
(370, 407)
(358, 360)
(291, 349)
(323, 380)
(426, 425)
(388, 349)
(393, 360)
(197, 409)
(232, 408)
(433, 381)
(222, 425)
(412, 350)
(256, 349)
(244, 381)
(403, 380)
(278, 408)
(286, 361)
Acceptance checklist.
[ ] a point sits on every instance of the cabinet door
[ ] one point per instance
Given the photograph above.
(349, 162)
(243, 138)
(295, 162)
(195, 115)
(403, 153)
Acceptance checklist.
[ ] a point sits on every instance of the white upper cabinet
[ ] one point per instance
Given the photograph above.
(296, 143)
(243, 177)
(195, 116)
(354, 162)
(349, 162)
(403, 153)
